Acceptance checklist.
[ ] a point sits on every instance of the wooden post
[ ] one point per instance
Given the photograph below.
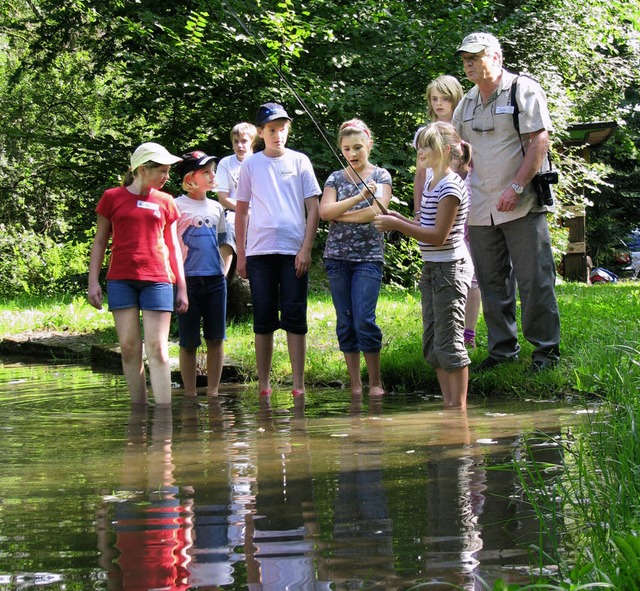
(575, 259)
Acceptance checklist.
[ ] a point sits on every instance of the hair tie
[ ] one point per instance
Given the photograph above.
(361, 129)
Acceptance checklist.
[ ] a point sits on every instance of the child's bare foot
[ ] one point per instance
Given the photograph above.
(376, 390)
(212, 394)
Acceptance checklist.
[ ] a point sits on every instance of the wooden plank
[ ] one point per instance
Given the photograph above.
(576, 247)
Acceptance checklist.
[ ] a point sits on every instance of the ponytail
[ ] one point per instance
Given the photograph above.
(439, 136)
(464, 157)
(130, 175)
(127, 178)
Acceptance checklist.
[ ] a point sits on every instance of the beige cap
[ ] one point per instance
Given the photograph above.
(477, 42)
(152, 152)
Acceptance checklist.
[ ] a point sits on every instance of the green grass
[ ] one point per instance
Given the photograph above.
(599, 324)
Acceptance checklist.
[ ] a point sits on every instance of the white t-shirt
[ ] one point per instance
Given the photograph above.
(276, 189)
(227, 173)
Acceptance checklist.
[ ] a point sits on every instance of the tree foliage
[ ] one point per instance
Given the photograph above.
(84, 81)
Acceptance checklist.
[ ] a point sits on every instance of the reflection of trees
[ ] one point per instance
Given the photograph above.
(152, 532)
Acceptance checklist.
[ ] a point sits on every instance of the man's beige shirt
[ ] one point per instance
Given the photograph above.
(497, 152)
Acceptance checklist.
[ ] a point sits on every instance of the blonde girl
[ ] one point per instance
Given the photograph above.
(139, 220)
(447, 268)
(442, 96)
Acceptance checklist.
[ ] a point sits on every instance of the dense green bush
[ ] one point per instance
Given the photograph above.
(34, 263)
(82, 83)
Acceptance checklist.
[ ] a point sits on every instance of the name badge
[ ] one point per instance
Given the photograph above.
(505, 110)
(147, 205)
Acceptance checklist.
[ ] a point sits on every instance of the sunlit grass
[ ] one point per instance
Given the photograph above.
(598, 322)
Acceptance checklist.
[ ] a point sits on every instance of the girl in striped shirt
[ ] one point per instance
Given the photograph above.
(447, 267)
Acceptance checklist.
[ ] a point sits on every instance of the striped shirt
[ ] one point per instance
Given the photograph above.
(454, 247)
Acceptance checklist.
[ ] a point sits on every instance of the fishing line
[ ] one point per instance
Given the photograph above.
(304, 106)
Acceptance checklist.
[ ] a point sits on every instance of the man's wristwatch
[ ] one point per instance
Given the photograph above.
(519, 189)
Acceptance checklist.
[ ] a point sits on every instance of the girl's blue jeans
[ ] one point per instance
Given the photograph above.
(355, 287)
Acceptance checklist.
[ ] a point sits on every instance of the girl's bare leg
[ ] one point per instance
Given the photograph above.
(127, 323)
(353, 368)
(454, 385)
(373, 367)
(156, 345)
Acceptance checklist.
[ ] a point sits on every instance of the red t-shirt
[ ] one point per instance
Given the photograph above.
(138, 249)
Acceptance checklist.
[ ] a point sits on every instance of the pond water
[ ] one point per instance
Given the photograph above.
(317, 493)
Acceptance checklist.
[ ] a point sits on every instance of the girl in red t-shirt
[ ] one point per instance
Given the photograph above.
(140, 221)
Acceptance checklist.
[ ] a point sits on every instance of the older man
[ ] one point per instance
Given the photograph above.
(508, 229)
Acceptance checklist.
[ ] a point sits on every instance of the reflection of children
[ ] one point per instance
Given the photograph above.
(201, 230)
(242, 136)
(447, 269)
(443, 95)
(274, 243)
(151, 520)
(354, 253)
(145, 263)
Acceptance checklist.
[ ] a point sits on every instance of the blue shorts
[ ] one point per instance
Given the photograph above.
(145, 295)
(278, 297)
(207, 302)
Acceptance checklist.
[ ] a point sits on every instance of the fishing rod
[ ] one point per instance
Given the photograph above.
(306, 109)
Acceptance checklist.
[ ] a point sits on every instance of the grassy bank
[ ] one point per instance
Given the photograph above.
(597, 323)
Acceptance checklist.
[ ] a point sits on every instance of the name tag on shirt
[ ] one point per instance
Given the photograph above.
(505, 110)
(147, 205)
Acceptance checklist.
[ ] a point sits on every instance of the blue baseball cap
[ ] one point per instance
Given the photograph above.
(270, 112)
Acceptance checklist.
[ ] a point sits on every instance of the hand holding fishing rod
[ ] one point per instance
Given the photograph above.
(354, 251)
(389, 221)
(369, 194)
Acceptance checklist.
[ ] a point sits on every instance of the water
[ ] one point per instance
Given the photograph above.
(315, 494)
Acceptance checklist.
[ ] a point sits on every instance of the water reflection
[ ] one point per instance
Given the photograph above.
(455, 499)
(362, 547)
(260, 494)
(152, 529)
(219, 495)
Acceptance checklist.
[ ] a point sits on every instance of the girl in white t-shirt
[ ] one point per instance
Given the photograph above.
(274, 243)
(447, 269)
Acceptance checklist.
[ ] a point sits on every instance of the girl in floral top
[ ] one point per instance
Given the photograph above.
(354, 253)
